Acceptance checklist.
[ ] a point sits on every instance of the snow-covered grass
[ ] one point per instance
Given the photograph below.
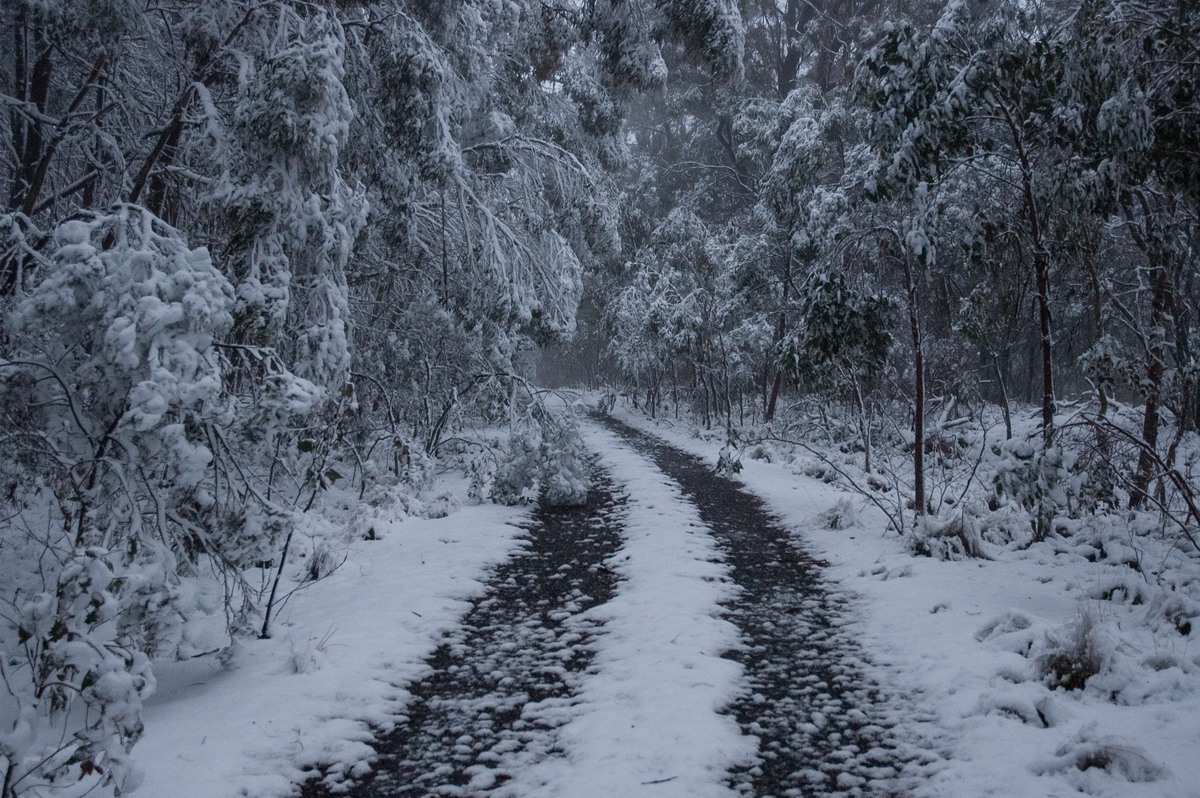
(972, 642)
(342, 651)
(646, 721)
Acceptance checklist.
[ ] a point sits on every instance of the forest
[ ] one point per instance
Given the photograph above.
(264, 261)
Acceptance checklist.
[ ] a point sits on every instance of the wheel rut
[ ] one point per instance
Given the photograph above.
(823, 726)
(522, 649)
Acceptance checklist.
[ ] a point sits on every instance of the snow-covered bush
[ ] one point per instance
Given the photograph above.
(146, 488)
(1091, 751)
(1070, 657)
(842, 515)
(549, 457)
(953, 538)
(519, 471)
(564, 470)
(729, 459)
(117, 394)
(1038, 479)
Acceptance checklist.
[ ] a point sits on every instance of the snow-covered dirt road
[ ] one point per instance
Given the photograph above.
(665, 639)
(482, 710)
(823, 727)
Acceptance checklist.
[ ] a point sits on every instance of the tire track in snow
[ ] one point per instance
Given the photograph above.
(487, 709)
(648, 723)
(822, 726)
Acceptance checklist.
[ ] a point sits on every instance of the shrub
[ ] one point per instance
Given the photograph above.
(1073, 657)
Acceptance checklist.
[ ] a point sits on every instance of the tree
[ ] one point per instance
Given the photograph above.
(977, 95)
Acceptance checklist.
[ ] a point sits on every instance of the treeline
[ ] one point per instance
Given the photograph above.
(252, 249)
(906, 204)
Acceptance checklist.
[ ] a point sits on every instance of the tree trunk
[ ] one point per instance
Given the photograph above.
(780, 332)
(914, 328)
(32, 86)
(674, 389)
(1004, 403)
(1160, 288)
(1044, 324)
(772, 403)
(1041, 268)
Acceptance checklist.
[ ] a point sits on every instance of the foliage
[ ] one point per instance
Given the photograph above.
(255, 254)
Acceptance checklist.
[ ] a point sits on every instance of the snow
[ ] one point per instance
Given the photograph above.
(646, 722)
(949, 635)
(343, 649)
(952, 641)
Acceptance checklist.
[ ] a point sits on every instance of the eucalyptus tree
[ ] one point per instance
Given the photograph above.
(978, 96)
(1136, 82)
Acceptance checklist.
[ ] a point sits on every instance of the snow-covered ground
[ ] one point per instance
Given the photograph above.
(342, 651)
(956, 637)
(646, 722)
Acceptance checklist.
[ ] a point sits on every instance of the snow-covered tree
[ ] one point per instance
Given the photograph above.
(113, 395)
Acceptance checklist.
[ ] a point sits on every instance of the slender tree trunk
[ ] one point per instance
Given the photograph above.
(1160, 287)
(772, 402)
(1104, 479)
(864, 425)
(17, 123)
(728, 384)
(1004, 403)
(780, 331)
(1041, 268)
(32, 85)
(1182, 311)
(36, 90)
(1044, 324)
(674, 389)
(914, 328)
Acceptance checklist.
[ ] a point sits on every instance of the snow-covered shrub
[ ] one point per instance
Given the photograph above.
(1009, 622)
(481, 471)
(1121, 589)
(441, 506)
(1013, 631)
(519, 471)
(564, 470)
(729, 460)
(147, 478)
(954, 538)
(1089, 750)
(1029, 702)
(842, 515)
(73, 689)
(1174, 610)
(1070, 657)
(1008, 523)
(550, 457)
(109, 557)
(764, 452)
(309, 655)
(408, 472)
(820, 471)
(323, 560)
(1039, 480)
